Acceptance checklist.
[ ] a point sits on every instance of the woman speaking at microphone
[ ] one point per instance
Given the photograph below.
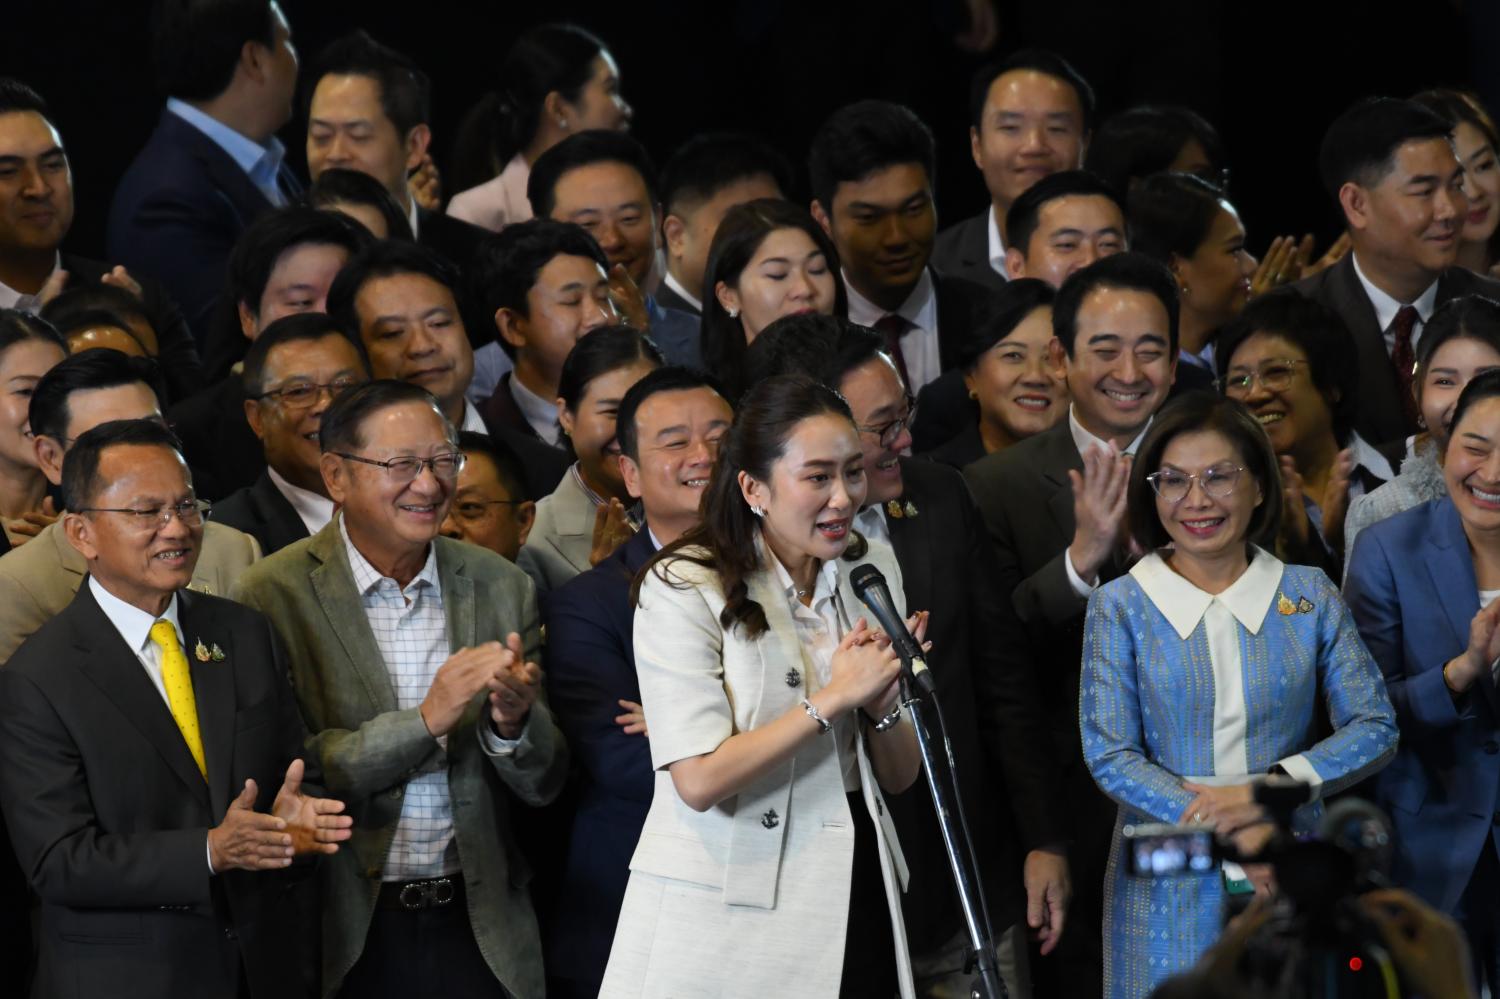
(768, 864)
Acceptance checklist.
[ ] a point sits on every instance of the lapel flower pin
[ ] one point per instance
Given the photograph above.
(901, 509)
(200, 651)
(1304, 606)
(1285, 606)
(216, 654)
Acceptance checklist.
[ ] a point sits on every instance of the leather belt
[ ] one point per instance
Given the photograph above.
(418, 896)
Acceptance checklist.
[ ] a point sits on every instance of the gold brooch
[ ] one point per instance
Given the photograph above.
(216, 654)
(200, 651)
(900, 509)
(1285, 606)
(1304, 606)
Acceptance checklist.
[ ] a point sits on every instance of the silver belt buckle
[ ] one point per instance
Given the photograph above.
(419, 895)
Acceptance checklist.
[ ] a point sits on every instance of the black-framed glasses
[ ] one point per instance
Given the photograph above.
(890, 432)
(408, 467)
(1275, 376)
(1173, 485)
(191, 513)
(471, 510)
(305, 395)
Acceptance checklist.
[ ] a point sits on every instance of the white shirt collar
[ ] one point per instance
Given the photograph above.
(872, 524)
(1083, 439)
(824, 587)
(134, 624)
(997, 245)
(473, 422)
(12, 299)
(540, 413)
(1386, 306)
(1183, 604)
(671, 282)
(919, 309)
(411, 215)
(313, 510)
(367, 577)
(1367, 457)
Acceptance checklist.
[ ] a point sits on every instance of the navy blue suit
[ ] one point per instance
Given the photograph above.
(677, 333)
(1412, 589)
(590, 667)
(178, 211)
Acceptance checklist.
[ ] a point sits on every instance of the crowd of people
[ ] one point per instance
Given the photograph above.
(418, 595)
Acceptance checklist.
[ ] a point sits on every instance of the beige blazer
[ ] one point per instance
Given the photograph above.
(40, 578)
(752, 894)
(562, 538)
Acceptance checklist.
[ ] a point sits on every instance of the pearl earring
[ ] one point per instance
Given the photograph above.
(733, 313)
(562, 123)
(758, 511)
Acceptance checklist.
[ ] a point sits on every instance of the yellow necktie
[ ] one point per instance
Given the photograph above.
(178, 680)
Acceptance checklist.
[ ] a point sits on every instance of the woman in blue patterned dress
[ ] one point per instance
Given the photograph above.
(1201, 671)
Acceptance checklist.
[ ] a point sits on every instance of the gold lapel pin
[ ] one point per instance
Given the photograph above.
(893, 508)
(911, 508)
(217, 654)
(200, 651)
(1285, 606)
(1304, 606)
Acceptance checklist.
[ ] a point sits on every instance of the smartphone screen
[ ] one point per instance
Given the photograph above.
(1163, 851)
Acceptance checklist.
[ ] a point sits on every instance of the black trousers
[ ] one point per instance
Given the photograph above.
(869, 945)
(1479, 914)
(422, 954)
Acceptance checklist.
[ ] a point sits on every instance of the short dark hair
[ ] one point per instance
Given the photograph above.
(1009, 308)
(342, 426)
(1195, 412)
(597, 353)
(668, 378)
(1127, 271)
(506, 265)
(300, 328)
(1141, 141)
(1485, 385)
(90, 369)
(387, 258)
(508, 466)
(18, 327)
(825, 348)
(196, 44)
(861, 138)
(405, 91)
(339, 185)
(81, 481)
(1171, 215)
(708, 163)
(1468, 317)
(1318, 332)
(273, 234)
(1360, 146)
(581, 150)
(744, 228)
(88, 297)
(1038, 61)
(16, 96)
(1025, 212)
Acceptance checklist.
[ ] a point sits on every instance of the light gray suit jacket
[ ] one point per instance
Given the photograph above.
(562, 538)
(369, 748)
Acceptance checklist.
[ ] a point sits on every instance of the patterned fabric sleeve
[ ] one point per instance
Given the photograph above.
(1109, 712)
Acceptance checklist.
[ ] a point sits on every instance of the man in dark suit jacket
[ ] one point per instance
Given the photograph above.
(154, 800)
(1402, 263)
(1030, 116)
(213, 164)
(669, 424)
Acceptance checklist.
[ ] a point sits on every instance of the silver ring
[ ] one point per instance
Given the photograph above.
(1197, 816)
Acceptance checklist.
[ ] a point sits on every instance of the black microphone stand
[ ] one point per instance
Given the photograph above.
(948, 804)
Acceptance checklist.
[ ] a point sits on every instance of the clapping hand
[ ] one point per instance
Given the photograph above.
(1099, 495)
(31, 523)
(316, 825)
(611, 530)
(515, 688)
(627, 299)
(426, 184)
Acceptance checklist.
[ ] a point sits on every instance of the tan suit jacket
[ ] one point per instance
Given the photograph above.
(39, 579)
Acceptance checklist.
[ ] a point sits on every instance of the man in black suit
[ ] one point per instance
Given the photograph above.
(214, 162)
(708, 175)
(984, 668)
(670, 424)
(871, 166)
(1030, 116)
(1389, 164)
(1055, 508)
(153, 786)
(36, 212)
(293, 372)
(370, 111)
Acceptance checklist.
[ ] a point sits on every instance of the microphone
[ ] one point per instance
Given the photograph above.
(870, 586)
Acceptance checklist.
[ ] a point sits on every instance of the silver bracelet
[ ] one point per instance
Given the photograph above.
(824, 725)
(890, 720)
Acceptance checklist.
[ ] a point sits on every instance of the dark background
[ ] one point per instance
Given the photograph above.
(1270, 75)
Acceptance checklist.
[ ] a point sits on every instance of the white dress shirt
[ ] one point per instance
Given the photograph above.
(473, 422)
(261, 163)
(872, 524)
(12, 299)
(1386, 308)
(670, 280)
(540, 414)
(997, 246)
(313, 510)
(1083, 440)
(491, 362)
(919, 344)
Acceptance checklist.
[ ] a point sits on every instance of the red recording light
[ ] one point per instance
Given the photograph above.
(1355, 964)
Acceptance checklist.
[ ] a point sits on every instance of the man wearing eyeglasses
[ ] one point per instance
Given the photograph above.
(292, 372)
(414, 659)
(40, 578)
(153, 779)
(490, 508)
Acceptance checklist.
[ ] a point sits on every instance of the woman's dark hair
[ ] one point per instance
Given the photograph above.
(1008, 309)
(1170, 214)
(1485, 385)
(17, 326)
(1195, 412)
(1141, 141)
(339, 186)
(737, 239)
(597, 353)
(1469, 317)
(823, 347)
(1318, 332)
(1461, 107)
(726, 538)
(549, 57)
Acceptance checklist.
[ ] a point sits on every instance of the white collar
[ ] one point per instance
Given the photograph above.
(12, 299)
(1369, 458)
(826, 585)
(473, 422)
(1183, 604)
(919, 309)
(1083, 439)
(134, 624)
(671, 282)
(313, 510)
(1386, 306)
(871, 523)
(540, 413)
(997, 245)
(411, 215)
